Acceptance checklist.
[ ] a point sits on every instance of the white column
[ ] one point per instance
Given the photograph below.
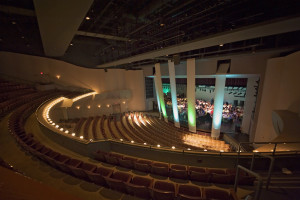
(173, 92)
(157, 95)
(160, 91)
(191, 94)
(249, 104)
(218, 105)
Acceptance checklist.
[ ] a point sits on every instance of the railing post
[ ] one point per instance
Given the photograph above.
(252, 162)
(274, 149)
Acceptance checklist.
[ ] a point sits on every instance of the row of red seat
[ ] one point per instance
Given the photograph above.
(202, 174)
(125, 136)
(78, 126)
(86, 128)
(124, 182)
(94, 127)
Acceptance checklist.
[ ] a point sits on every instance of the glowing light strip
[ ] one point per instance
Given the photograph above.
(191, 94)
(83, 96)
(173, 92)
(160, 92)
(218, 105)
(48, 108)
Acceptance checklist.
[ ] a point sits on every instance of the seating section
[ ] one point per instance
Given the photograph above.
(193, 173)
(139, 186)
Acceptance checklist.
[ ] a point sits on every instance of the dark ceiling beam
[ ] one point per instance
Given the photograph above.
(17, 11)
(255, 31)
(102, 36)
(58, 22)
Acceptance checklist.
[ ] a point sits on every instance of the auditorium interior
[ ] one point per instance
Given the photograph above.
(153, 99)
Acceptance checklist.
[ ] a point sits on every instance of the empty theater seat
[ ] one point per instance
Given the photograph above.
(71, 162)
(189, 192)
(113, 158)
(80, 170)
(178, 171)
(99, 174)
(163, 191)
(143, 165)
(118, 180)
(160, 168)
(127, 162)
(198, 174)
(140, 187)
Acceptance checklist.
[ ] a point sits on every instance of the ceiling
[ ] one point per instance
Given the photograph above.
(105, 33)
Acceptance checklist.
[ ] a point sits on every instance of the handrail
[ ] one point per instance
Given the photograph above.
(259, 178)
(270, 168)
(273, 151)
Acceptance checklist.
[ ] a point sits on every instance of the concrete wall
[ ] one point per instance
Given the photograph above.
(280, 92)
(26, 67)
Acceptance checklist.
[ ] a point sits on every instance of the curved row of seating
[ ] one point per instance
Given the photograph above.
(139, 186)
(86, 128)
(125, 136)
(78, 126)
(94, 128)
(201, 174)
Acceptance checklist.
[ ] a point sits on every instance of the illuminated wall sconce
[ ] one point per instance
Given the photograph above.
(58, 76)
(89, 107)
(78, 107)
(99, 106)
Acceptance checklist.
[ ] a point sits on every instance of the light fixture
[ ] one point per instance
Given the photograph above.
(132, 141)
(107, 105)
(58, 76)
(158, 145)
(173, 147)
(220, 45)
(56, 126)
(124, 102)
(145, 143)
(99, 106)
(81, 137)
(205, 150)
(221, 150)
(53, 124)
(78, 107)
(121, 140)
(87, 18)
(71, 44)
(73, 134)
(88, 106)
(13, 22)
(189, 149)
(91, 140)
(66, 131)
(61, 129)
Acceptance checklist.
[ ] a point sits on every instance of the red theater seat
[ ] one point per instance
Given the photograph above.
(127, 162)
(163, 191)
(66, 165)
(160, 168)
(80, 170)
(213, 193)
(143, 165)
(117, 181)
(98, 175)
(178, 171)
(189, 192)
(140, 187)
(198, 174)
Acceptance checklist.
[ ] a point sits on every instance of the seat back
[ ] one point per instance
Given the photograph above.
(212, 193)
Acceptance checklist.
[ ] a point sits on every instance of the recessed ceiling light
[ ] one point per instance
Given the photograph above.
(87, 18)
